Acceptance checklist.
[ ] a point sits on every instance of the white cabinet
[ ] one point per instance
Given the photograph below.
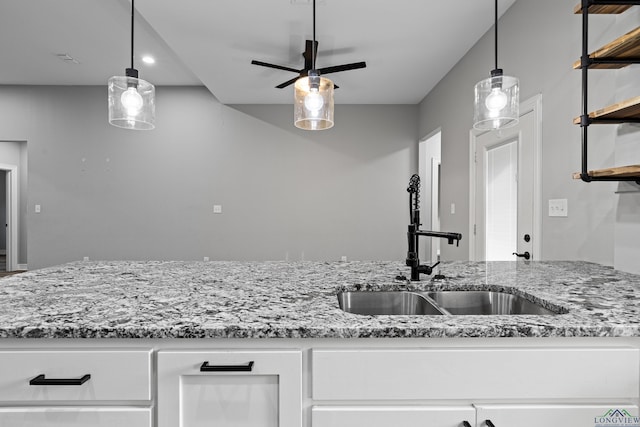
(75, 417)
(35, 375)
(385, 416)
(230, 388)
(558, 415)
(75, 387)
(476, 373)
(406, 386)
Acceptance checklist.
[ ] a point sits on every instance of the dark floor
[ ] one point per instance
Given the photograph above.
(3, 268)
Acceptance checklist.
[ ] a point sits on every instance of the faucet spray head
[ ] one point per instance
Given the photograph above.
(414, 184)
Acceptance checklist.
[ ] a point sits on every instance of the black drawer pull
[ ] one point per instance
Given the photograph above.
(466, 424)
(41, 380)
(205, 367)
(489, 423)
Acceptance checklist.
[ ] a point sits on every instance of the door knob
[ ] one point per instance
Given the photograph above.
(525, 255)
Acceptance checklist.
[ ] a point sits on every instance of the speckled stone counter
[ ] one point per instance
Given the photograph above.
(174, 299)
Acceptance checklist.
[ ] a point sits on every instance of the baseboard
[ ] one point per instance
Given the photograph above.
(22, 266)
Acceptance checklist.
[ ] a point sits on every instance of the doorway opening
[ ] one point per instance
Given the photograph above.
(505, 189)
(430, 155)
(10, 214)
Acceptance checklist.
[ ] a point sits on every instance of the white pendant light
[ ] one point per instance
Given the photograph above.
(132, 103)
(313, 95)
(497, 99)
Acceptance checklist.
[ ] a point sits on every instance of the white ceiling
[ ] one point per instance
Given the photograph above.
(408, 45)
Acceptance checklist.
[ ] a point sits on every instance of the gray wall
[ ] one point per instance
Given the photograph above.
(107, 193)
(539, 41)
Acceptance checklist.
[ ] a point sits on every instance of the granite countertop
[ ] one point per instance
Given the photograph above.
(181, 299)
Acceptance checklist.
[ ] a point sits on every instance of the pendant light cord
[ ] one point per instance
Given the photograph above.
(313, 55)
(132, 11)
(496, 35)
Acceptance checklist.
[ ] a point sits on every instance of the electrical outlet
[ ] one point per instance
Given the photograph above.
(343, 258)
(206, 258)
(217, 209)
(85, 258)
(558, 207)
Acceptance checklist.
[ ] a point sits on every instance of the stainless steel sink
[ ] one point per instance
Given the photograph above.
(485, 302)
(373, 303)
(386, 302)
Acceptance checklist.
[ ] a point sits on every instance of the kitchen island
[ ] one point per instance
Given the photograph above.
(168, 343)
(174, 299)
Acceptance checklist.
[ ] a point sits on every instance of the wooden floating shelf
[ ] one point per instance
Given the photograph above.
(617, 113)
(603, 9)
(624, 47)
(618, 172)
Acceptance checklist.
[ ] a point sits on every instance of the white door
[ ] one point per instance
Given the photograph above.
(558, 415)
(504, 215)
(385, 416)
(230, 388)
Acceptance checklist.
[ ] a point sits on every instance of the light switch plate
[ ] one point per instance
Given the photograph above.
(558, 207)
(217, 209)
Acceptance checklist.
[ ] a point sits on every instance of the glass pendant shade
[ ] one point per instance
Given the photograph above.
(313, 103)
(497, 99)
(132, 103)
(497, 102)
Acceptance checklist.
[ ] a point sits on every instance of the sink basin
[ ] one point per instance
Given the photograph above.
(373, 303)
(386, 302)
(485, 302)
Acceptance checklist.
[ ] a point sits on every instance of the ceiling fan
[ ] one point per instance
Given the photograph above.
(309, 54)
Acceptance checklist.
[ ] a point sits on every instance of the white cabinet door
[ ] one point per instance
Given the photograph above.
(558, 415)
(392, 416)
(74, 417)
(230, 388)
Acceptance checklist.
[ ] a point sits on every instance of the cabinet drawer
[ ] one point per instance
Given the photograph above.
(230, 388)
(114, 375)
(75, 417)
(473, 373)
(384, 416)
(558, 415)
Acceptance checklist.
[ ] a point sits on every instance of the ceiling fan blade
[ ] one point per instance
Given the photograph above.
(289, 82)
(345, 67)
(277, 67)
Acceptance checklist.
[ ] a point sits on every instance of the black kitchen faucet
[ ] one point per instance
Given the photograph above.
(414, 232)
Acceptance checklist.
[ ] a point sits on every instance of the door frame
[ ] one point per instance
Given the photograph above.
(12, 215)
(532, 105)
(425, 170)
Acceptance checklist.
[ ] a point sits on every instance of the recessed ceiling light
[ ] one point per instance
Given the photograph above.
(148, 59)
